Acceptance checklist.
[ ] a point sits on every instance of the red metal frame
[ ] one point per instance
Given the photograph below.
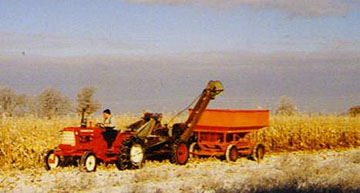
(219, 128)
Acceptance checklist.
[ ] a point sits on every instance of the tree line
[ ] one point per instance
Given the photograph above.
(48, 104)
(51, 103)
(286, 106)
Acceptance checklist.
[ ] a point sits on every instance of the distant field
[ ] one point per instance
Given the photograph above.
(22, 140)
(324, 171)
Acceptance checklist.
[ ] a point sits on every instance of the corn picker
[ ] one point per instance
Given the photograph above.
(153, 140)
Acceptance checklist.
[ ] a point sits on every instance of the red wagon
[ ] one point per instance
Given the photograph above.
(225, 133)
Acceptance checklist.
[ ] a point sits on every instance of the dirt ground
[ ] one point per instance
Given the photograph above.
(326, 171)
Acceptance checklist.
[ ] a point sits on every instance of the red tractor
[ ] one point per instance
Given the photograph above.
(86, 146)
(144, 139)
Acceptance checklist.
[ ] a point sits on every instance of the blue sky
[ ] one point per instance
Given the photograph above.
(118, 27)
(261, 49)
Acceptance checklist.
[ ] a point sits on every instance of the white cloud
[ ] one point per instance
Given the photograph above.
(293, 8)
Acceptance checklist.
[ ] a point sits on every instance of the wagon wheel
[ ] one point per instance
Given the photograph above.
(132, 154)
(88, 162)
(51, 161)
(258, 152)
(231, 153)
(180, 153)
(193, 147)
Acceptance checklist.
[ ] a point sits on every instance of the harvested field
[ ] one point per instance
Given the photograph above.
(325, 171)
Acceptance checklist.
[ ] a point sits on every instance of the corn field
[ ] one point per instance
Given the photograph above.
(305, 132)
(23, 140)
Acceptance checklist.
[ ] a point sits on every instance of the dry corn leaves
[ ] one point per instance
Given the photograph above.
(23, 140)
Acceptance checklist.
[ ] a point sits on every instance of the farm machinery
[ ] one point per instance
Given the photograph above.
(147, 138)
(226, 134)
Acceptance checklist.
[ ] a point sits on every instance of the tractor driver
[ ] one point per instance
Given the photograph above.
(109, 124)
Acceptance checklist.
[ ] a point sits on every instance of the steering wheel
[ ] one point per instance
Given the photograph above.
(101, 125)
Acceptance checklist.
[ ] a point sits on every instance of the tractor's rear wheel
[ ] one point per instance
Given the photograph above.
(132, 154)
(51, 161)
(88, 162)
(231, 153)
(137, 155)
(180, 153)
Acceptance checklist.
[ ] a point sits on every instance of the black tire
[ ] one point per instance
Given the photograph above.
(180, 153)
(231, 153)
(48, 155)
(258, 153)
(118, 164)
(88, 162)
(125, 160)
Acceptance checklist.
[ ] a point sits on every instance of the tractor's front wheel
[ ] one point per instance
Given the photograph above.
(88, 162)
(51, 161)
(180, 153)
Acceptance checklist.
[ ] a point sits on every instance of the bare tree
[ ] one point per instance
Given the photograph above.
(286, 106)
(354, 111)
(52, 103)
(10, 102)
(86, 102)
(33, 106)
